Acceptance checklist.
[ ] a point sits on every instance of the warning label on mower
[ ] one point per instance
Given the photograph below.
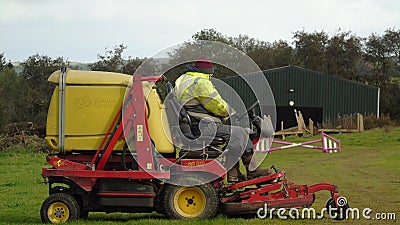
(139, 132)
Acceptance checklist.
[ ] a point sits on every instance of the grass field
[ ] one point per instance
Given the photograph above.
(367, 172)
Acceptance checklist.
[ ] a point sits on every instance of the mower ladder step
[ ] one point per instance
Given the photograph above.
(258, 180)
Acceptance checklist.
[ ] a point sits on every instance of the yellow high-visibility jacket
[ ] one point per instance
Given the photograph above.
(194, 88)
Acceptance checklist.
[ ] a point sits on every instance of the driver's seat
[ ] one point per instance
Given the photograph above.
(198, 147)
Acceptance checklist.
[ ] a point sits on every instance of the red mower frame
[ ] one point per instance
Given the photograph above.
(273, 189)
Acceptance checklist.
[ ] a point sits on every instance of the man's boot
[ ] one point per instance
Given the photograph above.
(258, 172)
(233, 174)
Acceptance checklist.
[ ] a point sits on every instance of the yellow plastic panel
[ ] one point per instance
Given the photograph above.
(92, 78)
(79, 143)
(92, 101)
(52, 115)
(91, 109)
(157, 121)
(89, 112)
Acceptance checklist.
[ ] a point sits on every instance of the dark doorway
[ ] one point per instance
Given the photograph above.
(286, 114)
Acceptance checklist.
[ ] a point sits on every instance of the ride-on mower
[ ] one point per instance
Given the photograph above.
(118, 149)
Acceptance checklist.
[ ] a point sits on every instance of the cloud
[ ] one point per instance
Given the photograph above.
(80, 30)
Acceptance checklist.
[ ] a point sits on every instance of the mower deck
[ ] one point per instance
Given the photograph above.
(272, 190)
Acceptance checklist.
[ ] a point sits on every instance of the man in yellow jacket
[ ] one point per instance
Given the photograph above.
(201, 100)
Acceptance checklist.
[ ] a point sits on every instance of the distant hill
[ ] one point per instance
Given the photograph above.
(17, 66)
(73, 65)
(79, 66)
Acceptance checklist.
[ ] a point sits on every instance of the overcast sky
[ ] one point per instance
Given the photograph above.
(78, 30)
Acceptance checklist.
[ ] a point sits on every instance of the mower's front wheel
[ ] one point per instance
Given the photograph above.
(190, 202)
(59, 208)
(337, 211)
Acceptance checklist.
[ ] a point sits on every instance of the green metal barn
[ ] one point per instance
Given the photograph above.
(318, 96)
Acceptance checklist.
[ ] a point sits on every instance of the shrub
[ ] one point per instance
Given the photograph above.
(20, 143)
(371, 121)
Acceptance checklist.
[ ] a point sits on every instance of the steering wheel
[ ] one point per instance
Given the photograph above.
(248, 110)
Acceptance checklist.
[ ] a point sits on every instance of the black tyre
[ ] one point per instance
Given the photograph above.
(190, 202)
(59, 208)
(158, 202)
(337, 211)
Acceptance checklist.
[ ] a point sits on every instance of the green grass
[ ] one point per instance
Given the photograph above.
(367, 172)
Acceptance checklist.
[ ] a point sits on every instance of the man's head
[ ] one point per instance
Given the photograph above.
(204, 65)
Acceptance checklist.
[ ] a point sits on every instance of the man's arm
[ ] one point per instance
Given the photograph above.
(210, 98)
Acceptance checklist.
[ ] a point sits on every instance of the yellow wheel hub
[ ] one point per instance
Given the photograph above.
(58, 212)
(189, 202)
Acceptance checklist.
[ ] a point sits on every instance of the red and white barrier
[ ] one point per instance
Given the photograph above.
(328, 144)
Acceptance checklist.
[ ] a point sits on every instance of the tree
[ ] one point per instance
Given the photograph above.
(12, 101)
(260, 51)
(392, 39)
(381, 53)
(210, 35)
(263, 56)
(113, 61)
(377, 54)
(310, 50)
(188, 52)
(343, 53)
(390, 100)
(2, 62)
(131, 65)
(246, 44)
(282, 54)
(38, 92)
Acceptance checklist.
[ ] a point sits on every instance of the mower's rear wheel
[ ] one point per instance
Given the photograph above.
(59, 208)
(190, 202)
(337, 211)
